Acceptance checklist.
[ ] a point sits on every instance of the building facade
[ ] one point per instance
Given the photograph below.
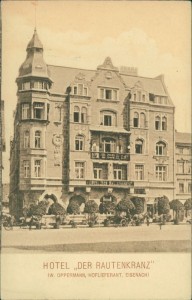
(88, 134)
(183, 162)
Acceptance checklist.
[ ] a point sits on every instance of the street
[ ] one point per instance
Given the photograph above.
(170, 238)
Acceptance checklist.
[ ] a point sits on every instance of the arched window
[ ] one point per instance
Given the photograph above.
(38, 139)
(83, 115)
(26, 139)
(79, 142)
(108, 118)
(139, 146)
(142, 120)
(157, 123)
(136, 120)
(164, 123)
(109, 145)
(161, 148)
(76, 114)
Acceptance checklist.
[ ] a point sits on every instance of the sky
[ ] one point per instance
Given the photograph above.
(153, 36)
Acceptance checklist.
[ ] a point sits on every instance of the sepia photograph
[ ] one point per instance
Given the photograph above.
(95, 150)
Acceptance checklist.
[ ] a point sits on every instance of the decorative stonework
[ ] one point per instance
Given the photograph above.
(57, 142)
(108, 65)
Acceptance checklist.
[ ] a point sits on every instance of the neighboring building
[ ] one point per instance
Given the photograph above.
(84, 134)
(183, 166)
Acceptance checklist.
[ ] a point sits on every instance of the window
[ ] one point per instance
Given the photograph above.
(164, 123)
(189, 187)
(80, 90)
(143, 98)
(181, 187)
(37, 139)
(180, 167)
(26, 139)
(38, 109)
(108, 94)
(142, 120)
(26, 168)
(119, 172)
(26, 85)
(139, 172)
(79, 170)
(139, 95)
(134, 97)
(161, 173)
(79, 143)
(109, 145)
(25, 111)
(107, 120)
(97, 171)
(76, 114)
(80, 116)
(139, 146)
(157, 123)
(83, 115)
(188, 167)
(136, 120)
(40, 85)
(160, 148)
(180, 150)
(37, 169)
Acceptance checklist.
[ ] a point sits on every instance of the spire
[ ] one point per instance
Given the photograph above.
(35, 42)
(34, 64)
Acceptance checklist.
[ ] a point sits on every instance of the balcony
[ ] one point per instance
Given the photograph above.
(110, 156)
(110, 183)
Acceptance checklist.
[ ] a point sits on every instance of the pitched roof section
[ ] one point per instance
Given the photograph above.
(64, 76)
(182, 137)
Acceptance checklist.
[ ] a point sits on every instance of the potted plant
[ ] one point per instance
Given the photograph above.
(177, 206)
(91, 208)
(163, 208)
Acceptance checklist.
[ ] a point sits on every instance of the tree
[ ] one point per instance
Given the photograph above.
(125, 205)
(177, 206)
(138, 204)
(91, 207)
(56, 209)
(163, 206)
(108, 204)
(73, 207)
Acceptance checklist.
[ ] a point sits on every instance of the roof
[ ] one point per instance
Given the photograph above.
(183, 137)
(35, 42)
(64, 76)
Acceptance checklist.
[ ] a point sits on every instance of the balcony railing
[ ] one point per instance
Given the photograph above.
(115, 183)
(110, 156)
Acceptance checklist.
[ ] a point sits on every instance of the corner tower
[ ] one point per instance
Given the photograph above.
(28, 148)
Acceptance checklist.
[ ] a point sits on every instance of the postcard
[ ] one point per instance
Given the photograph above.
(96, 150)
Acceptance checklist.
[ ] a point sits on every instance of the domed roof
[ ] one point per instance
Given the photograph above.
(35, 42)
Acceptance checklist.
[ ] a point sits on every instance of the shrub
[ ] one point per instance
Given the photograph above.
(38, 209)
(73, 207)
(106, 207)
(138, 204)
(56, 209)
(163, 205)
(188, 204)
(125, 205)
(91, 207)
(176, 205)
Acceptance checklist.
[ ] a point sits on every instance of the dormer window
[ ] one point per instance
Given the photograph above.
(108, 94)
(80, 90)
